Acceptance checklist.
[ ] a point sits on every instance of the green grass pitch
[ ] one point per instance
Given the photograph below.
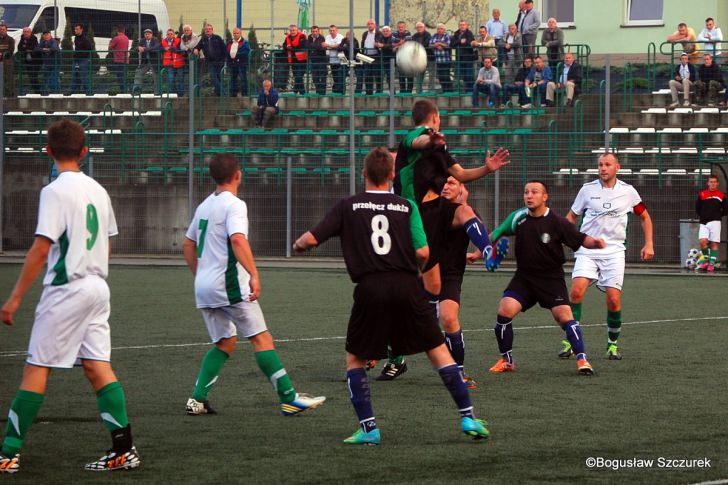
(666, 399)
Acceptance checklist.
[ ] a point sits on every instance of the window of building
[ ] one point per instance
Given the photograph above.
(643, 12)
(561, 10)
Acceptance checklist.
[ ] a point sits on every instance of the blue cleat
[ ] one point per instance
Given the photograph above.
(476, 428)
(372, 438)
(302, 403)
(494, 257)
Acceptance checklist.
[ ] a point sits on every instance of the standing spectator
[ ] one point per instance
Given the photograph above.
(344, 47)
(386, 47)
(295, 47)
(29, 59)
(173, 62)
(49, 52)
(530, 22)
(188, 42)
(553, 39)
(686, 36)
(484, 44)
(267, 106)
(519, 84)
(213, 50)
(465, 56)
(488, 82)
(423, 37)
(7, 49)
(513, 51)
(713, 36)
(119, 48)
(498, 30)
(570, 81)
(537, 80)
(317, 58)
(372, 72)
(685, 75)
(440, 44)
(331, 43)
(238, 52)
(82, 47)
(710, 82)
(148, 49)
(521, 13)
(710, 207)
(406, 83)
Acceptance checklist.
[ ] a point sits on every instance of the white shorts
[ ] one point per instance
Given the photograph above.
(71, 323)
(245, 318)
(607, 272)
(710, 231)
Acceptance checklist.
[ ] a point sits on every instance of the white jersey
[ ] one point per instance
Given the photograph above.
(220, 279)
(75, 213)
(606, 213)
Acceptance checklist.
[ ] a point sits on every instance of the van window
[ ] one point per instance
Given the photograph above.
(104, 22)
(45, 21)
(17, 16)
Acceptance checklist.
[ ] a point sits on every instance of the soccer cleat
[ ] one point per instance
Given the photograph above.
(494, 257)
(391, 371)
(360, 437)
(567, 351)
(613, 352)
(470, 383)
(10, 464)
(710, 268)
(115, 461)
(370, 364)
(703, 267)
(502, 366)
(584, 367)
(195, 408)
(301, 404)
(476, 428)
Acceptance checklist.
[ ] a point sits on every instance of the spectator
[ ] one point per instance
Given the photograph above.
(295, 46)
(372, 72)
(498, 30)
(513, 51)
(488, 82)
(213, 50)
(29, 59)
(174, 62)
(553, 39)
(187, 44)
(570, 81)
(462, 42)
(267, 106)
(686, 36)
(49, 52)
(386, 47)
(238, 53)
(83, 48)
(521, 13)
(713, 36)
(332, 43)
(406, 83)
(119, 48)
(484, 44)
(423, 37)
(344, 47)
(710, 82)
(537, 80)
(440, 45)
(519, 84)
(530, 22)
(148, 49)
(7, 49)
(685, 76)
(318, 59)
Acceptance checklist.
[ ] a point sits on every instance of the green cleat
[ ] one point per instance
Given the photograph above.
(566, 352)
(372, 438)
(613, 352)
(476, 428)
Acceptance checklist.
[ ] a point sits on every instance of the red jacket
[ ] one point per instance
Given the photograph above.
(296, 46)
(172, 57)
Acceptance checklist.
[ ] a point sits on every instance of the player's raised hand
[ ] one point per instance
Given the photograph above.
(647, 253)
(9, 309)
(437, 138)
(498, 160)
(254, 288)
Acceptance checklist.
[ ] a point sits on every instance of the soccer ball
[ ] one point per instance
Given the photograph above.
(411, 58)
(693, 258)
(693, 253)
(690, 263)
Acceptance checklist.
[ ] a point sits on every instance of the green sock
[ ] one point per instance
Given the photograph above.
(271, 366)
(23, 411)
(209, 371)
(394, 359)
(576, 310)
(614, 326)
(706, 253)
(713, 256)
(112, 406)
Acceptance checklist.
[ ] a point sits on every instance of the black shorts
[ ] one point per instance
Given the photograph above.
(451, 288)
(529, 289)
(437, 216)
(391, 309)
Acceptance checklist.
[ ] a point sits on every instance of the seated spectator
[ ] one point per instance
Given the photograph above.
(519, 84)
(267, 106)
(537, 80)
(686, 36)
(570, 81)
(238, 52)
(685, 76)
(710, 82)
(29, 60)
(488, 82)
(553, 39)
(149, 49)
(513, 51)
(49, 51)
(713, 35)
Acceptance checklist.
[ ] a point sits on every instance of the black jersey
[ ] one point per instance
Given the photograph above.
(711, 205)
(539, 243)
(452, 256)
(379, 233)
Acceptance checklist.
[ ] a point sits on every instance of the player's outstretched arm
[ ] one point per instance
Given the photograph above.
(189, 249)
(34, 262)
(304, 243)
(244, 255)
(492, 163)
(594, 243)
(648, 251)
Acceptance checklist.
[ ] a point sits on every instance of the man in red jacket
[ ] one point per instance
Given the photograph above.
(295, 47)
